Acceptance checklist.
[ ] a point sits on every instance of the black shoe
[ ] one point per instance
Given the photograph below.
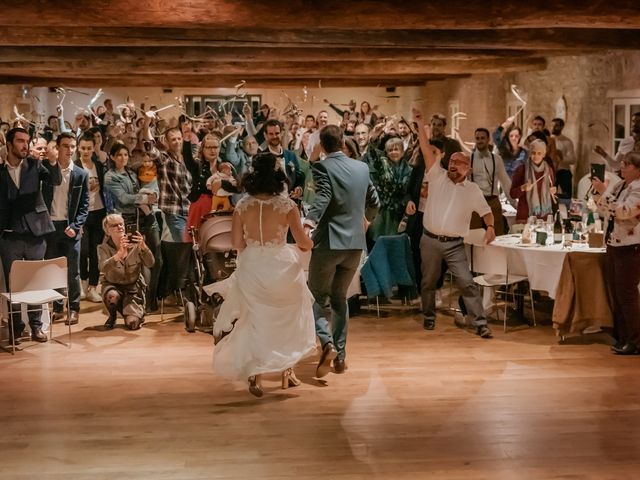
(339, 365)
(484, 332)
(57, 316)
(15, 339)
(617, 346)
(110, 323)
(329, 353)
(37, 335)
(73, 318)
(429, 323)
(626, 349)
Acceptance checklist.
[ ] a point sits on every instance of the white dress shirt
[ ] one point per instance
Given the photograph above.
(14, 172)
(60, 203)
(450, 205)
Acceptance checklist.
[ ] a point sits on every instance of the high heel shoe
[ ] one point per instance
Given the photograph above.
(254, 387)
(289, 379)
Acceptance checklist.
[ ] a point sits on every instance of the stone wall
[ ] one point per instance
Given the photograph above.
(588, 83)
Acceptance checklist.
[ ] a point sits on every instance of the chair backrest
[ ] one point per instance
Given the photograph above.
(485, 259)
(26, 275)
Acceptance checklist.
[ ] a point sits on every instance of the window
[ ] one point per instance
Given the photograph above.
(623, 109)
(197, 105)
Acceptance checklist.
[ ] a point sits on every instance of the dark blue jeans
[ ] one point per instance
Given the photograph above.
(60, 245)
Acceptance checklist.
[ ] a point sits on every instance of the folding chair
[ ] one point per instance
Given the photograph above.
(492, 264)
(33, 282)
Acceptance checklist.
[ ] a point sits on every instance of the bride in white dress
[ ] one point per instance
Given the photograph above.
(268, 307)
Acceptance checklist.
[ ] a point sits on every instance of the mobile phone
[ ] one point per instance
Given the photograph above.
(597, 171)
(130, 229)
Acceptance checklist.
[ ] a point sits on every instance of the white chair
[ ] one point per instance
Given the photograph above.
(493, 266)
(33, 282)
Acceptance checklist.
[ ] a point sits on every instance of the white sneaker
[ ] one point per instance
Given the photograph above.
(84, 286)
(438, 299)
(93, 295)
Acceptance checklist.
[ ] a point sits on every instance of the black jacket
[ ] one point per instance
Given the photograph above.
(78, 204)
(24, 211)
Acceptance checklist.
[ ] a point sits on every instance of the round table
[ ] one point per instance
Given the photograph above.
(541, 264)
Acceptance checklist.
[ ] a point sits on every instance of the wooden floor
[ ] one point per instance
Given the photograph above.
(413, 404)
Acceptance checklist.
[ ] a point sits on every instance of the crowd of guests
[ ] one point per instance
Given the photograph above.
(108, 188)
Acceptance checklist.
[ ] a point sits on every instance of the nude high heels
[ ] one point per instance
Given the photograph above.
(254, 387)
(289, 379)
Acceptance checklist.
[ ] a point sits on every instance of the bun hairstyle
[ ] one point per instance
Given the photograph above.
(266, 177)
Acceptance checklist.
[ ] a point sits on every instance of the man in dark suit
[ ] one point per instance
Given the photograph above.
(24, 219)
(68, 205)
(345, 197)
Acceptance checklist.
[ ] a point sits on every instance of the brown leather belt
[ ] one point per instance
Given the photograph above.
(441, 238)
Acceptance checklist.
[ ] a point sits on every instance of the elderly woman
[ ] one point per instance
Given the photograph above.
(121, 258)
(390, 174)
(620, 204)
(532, 185)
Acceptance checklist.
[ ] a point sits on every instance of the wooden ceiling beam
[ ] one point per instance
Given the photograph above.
(329, 14)
(249, 54)
(208, 81)
(270, 69)
(537, 39)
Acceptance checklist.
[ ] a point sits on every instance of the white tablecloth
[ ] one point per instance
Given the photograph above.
(542, 265)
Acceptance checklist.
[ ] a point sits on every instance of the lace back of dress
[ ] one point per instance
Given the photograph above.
(265, 221)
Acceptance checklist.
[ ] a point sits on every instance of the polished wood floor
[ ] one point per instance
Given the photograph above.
(413, 404)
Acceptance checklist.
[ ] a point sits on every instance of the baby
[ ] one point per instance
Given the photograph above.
(220, 201)
(147, 176)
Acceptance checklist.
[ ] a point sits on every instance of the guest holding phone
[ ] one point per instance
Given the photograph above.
(121, 258)
(620, 204)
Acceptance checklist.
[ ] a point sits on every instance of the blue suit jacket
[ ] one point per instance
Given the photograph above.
(344, 197)
(24, 210)
(78, 205)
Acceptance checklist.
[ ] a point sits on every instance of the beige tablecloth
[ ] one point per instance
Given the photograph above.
(581, 296)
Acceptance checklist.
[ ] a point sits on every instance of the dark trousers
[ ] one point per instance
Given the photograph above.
(60, 245)
(564, 182)
(92, 236)
(22, 247)
(330, 274)
(433, 254)
(623, 276)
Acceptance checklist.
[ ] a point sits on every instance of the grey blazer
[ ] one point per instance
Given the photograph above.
(345, 196)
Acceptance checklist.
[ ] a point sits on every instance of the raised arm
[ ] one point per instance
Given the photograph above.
(424, 133)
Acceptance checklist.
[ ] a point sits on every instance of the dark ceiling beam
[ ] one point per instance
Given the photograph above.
(328, 14)
(199, 81)
(537, 39)
(248, 54)
(275, 69)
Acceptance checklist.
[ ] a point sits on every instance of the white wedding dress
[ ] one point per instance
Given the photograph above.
(267, 298)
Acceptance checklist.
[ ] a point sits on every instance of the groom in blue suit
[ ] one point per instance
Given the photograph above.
(345, 197)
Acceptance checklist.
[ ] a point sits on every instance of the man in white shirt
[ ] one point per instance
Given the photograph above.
(451, 201)
(69, 206)
(24, 220)
(488, 172)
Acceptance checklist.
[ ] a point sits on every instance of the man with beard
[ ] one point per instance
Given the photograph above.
(290, 164)
(451, 201)
(24, 218)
